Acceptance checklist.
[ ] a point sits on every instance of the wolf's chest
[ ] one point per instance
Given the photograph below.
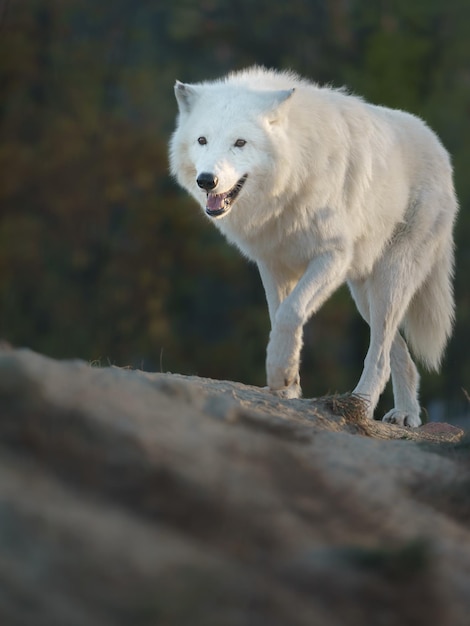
(291, 246)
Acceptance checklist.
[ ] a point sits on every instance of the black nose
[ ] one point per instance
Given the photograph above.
(207, 181)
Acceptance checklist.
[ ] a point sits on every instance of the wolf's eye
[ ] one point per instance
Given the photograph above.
(202, 141)
(239, 143)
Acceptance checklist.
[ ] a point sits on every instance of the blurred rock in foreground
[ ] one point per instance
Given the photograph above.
(129, 498)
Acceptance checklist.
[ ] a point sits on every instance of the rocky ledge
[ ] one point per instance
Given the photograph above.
(129, 498)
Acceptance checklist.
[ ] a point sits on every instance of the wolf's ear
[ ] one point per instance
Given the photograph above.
(186, 95)
(277, 104)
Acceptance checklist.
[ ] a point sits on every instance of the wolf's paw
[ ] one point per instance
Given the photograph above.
(402, 418)
(288, 393)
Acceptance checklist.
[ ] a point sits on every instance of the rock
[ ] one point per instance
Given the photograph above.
(129, 498)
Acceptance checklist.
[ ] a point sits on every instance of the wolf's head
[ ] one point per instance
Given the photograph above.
(222, 149)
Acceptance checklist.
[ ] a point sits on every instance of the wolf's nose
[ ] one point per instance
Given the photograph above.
(207, 181)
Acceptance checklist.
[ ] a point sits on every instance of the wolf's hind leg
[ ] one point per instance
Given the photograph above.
(382, 300)
(405, 380)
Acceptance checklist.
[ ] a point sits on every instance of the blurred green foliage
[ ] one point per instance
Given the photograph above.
(103, 258)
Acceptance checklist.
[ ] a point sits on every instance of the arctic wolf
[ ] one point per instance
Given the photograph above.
(319, 188)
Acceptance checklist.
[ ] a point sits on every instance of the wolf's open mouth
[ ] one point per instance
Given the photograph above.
(220, 203)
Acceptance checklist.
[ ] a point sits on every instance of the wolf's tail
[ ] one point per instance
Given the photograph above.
(430, 316)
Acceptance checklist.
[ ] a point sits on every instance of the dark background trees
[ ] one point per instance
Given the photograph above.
(103, 258)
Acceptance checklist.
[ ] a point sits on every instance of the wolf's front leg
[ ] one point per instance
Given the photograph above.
(323, 276)
(286, 335)
(283, 360)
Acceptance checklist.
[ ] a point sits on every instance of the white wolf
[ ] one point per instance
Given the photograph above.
(319, 187)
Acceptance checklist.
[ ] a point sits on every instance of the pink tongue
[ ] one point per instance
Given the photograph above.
(215, 202)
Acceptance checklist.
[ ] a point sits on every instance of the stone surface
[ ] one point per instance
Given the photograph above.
(129, 498)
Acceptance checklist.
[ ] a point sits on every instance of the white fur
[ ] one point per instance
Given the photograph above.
(338, 190)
